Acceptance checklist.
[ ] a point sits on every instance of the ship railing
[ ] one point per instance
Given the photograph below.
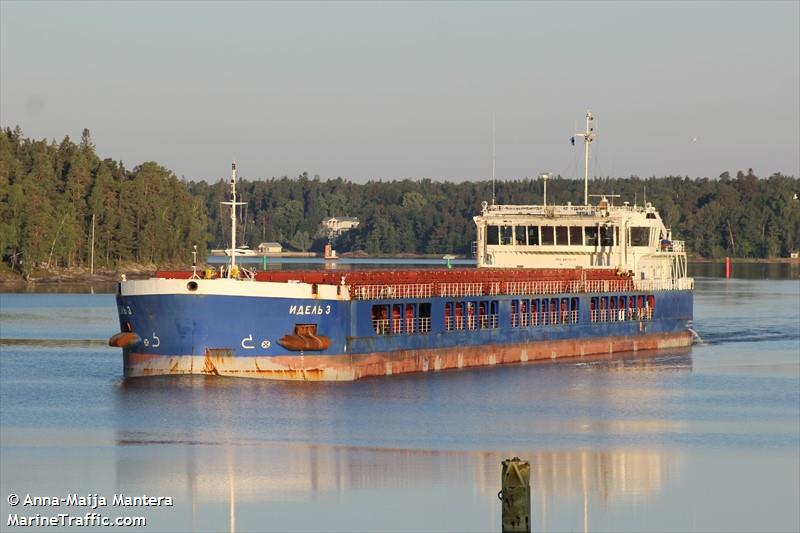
(493, 288)
(452, 323)
(408, 290)
(458, 323)
(672, 246)
(424, 324)
(460, 289)
(536, 287)
(678, 284)
(544, 318)
(540, 210)
(620, 315)
(396, 326)
(616, 315)
(608, 285)
(380, 326)
(427, 290)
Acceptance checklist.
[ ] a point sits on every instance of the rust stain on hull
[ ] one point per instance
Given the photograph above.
(351, 367)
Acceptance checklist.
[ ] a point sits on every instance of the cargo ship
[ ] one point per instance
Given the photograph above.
(551, 281)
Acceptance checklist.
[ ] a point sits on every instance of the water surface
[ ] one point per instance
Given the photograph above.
(707, 439)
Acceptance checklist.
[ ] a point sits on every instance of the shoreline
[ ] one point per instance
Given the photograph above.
(747, 260)
(70, 276)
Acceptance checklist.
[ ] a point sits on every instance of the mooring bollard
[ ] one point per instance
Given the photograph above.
(515, 494)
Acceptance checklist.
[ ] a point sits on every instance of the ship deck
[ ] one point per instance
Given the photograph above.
(410, 276)
(371, 284)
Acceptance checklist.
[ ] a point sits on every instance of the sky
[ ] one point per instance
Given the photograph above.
(392, 90)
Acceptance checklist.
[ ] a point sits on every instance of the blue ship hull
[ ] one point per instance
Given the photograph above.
(242, 335)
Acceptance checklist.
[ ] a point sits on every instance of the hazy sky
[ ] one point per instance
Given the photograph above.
(407, 89)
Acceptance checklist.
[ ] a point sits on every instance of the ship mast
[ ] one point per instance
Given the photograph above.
(233, 203)
(588, 136)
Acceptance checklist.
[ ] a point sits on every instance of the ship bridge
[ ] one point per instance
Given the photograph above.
(631, 239)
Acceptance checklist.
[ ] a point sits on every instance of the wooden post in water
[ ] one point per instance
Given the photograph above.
(515, 494)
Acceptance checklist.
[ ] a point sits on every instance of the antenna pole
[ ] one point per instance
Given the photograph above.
(493, 158)
(233, 203)
(588, 136)
(544, 177)
(233, 218)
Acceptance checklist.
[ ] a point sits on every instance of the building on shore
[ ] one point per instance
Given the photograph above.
(270, 248)
(335, 226)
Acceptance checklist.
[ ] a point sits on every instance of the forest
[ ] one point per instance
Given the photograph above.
(742, 216)
(53, 195)
(50, 193)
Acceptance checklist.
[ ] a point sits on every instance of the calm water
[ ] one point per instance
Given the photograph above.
(702, 440)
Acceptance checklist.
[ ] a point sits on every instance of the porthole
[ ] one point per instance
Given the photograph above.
(192, 286)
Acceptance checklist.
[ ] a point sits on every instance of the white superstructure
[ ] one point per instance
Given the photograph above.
(630, 239)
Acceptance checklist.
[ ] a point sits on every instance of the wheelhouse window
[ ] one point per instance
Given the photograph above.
(492, 235)
(561, 235)
(548, 235)
(606, 236)
(576, 235)
(640, 236)
(590, 235)
(506, 234)
(519, 235)
(533, 235)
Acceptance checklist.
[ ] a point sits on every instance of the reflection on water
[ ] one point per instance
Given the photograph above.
(243, 475)
(544, 405)
(297, 472)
